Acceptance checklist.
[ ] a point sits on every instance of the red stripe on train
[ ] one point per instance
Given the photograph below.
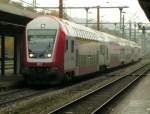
(89, 69)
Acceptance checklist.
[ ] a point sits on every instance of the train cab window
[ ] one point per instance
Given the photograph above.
(72, 46)
(66, 45)
(43, 39)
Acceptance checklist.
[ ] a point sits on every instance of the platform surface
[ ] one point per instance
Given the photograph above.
(9, 81)
(136, 100)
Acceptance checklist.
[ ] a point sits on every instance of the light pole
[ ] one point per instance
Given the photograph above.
(135, 31)
(86, 9)
(60, 8)
(115, 26)
(101, 22)
(93, 7)
(34, 3)
(130, 30)
(98, 18)
(143, 39)
(120, 9)
(123, 26)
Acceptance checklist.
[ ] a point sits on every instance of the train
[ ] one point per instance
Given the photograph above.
(56, 49)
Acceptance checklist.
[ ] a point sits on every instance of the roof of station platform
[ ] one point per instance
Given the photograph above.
(13, 18)
(145, 4)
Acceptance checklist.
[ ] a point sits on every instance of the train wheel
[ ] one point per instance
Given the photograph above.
(57, 79)
(70, 76)
(102, 68)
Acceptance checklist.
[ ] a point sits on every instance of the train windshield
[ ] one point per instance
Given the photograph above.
(40, 42)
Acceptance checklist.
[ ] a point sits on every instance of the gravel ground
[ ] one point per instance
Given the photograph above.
(51, 100)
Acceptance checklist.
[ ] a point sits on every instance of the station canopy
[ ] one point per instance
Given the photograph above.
(145, 4)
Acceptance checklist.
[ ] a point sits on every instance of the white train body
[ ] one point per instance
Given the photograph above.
(78, 50)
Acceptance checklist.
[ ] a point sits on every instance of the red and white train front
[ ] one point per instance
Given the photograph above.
(44, 51)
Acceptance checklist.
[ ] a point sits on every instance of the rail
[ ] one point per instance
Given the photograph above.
(76, 105)
(20, 94)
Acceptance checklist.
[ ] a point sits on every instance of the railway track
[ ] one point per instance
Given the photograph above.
(49, 100)
(11, 96)
(19, 94)
(95, 100)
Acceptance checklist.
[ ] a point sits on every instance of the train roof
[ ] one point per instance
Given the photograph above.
(100, 36)
(76, 30)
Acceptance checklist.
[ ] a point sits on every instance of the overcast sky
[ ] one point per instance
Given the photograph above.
(133, 13)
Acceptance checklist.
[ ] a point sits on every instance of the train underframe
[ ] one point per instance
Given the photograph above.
(42, 75)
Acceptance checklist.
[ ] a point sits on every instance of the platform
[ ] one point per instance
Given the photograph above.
(10, 81)
(136, 100)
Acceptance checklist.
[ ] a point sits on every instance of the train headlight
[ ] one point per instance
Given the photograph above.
(31, 55)
(49, 55)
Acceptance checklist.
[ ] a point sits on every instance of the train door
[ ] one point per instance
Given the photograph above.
(101, 55)
(69, 59)
(72, 54)
(106, 55)
(76, 61)
(122, 55)
(66, 55)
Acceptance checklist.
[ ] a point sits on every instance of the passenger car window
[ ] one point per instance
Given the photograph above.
(72, 46)
(66, 45)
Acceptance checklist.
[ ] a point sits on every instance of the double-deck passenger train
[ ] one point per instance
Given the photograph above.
(56, 49)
